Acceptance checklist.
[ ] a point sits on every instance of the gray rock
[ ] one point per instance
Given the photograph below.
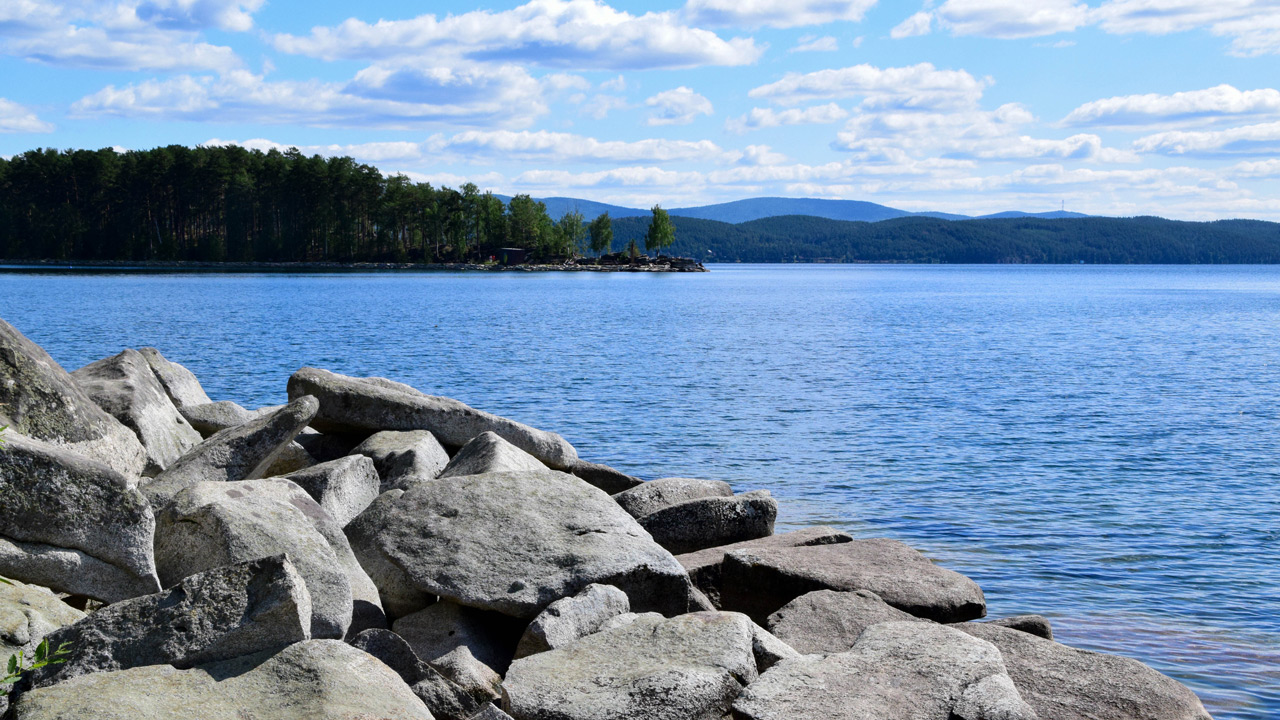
(326, 447)
(212, 418)
(444, 698)
(662, 493)
(312, 680)
(626, 619)
(760, 581)
(40, 400)
(604, 477)
(343, 487)
(490, 712)
(567, 620)
(439, 629)
(517, 542)
(1037, 625)
(712, 522)
(181, 385)
(704, 566)
(828, 621)
(768, 649)
(356, 405)
(27, 614)
(125, 387)
(404, 457)
(217, 615)
(396, 589)
(686, 668)
(486, 453)
(292, 458)
(1063, 683)
(896, 671)
(209, 525)
(72, 524)
(244, 452)
(476, 678)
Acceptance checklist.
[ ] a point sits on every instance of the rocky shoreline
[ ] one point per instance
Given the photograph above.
(662, 263)
(371, 551)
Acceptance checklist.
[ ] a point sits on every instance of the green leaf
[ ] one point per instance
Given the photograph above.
(15, 662)
(42, 652)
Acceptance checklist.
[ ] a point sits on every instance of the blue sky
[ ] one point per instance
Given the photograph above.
(1116, 107)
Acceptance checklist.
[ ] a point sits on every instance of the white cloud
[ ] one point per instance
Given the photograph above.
(1214, 102)
(1011, 18)
(394, 99)
(235, 15)
(599, 106)
(768, 117)
(15, 118)
(1260, 139)
(379, 152)
(809, 43)
(919, 24)
(620, 177)
(680, 106)
(551, 33)
(775, 13)
(920, 85)
(566, 147)
(617, 84)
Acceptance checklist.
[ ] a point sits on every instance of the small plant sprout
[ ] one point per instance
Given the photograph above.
(42, 657)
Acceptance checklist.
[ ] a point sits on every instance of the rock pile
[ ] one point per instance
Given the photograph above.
(371, 551)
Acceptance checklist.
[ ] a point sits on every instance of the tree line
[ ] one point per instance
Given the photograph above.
(233, 204)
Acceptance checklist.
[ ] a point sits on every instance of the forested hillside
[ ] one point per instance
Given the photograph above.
(926, 240)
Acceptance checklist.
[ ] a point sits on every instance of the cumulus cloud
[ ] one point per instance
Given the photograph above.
(1214, 102)
(919, 24)
(235, 15)
(768, 117)
(680, 106)
(775, 13)
(15, 118)
(549, 33)
(920, 85)
(1260, 139)
(566, 147)
(809, 43)
(1011, 18)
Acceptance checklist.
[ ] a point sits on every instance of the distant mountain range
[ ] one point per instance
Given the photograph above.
(740, 211)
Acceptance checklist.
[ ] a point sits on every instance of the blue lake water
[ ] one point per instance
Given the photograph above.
(1097, 444)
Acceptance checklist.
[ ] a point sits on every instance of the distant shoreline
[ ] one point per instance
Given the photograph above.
(194, 266)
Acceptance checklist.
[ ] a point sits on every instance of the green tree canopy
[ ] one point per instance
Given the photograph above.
(661, 232)
(601, 234)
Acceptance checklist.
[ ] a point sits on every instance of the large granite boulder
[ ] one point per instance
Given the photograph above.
(691, 667)
(72, 524)
(368, 405)
(27, 614)
(212, 418)
(39, 399)
(760, 581)
(444, 698)
(312, 680)
(769, 649)
(221, 614)
(516, 542)
(212, 524)
(712, 522)
(404, 457)
(476, 678)
(396, 590)
(896, 671)
(1063, 683)
(180, 383)
(440, 628)
(827, 621)
(343, 487)
(488, 452)
(662, 493)
(704, 566)
(567, 620)
(124, 386)
(604, 477)
(1037, 625)
(244, 452)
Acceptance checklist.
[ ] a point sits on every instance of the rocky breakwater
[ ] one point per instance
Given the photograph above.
(371, 551)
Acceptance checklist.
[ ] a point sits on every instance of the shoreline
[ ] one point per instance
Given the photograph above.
(677, 265)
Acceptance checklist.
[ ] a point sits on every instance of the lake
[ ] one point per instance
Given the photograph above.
(1097, 444)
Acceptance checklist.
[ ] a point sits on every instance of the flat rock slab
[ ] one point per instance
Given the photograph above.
(711, 522)
(125, 387)
(404, 457)
(343, 487)
(212, 418)
(830, 621)
(704, 566)
(517, 542)
(691, 667)
(72, 524)
(368, 405)
(181, 384)
(313, 680)
(662, 493)
(896, 671)
(604, 477)
(1063, 683)
(488, 452)
(244, 452)
(39, 399)
(567, 620)
(1037, 625)
(760, 581)
(217, 615)
(27, 614)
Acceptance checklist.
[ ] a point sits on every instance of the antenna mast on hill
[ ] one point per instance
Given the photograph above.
(1064, 205)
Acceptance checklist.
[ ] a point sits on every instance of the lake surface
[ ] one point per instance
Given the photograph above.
(1097, 444)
